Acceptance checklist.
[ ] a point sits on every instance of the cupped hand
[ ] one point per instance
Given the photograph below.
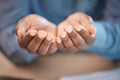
(76, 33)
(36, 34)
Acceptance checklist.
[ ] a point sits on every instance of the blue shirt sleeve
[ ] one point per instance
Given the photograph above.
(107, 42)
(10, 13)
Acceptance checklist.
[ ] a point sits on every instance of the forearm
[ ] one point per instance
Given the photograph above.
(10, 47)
(9, 16)
(108, 32)
(107, 40)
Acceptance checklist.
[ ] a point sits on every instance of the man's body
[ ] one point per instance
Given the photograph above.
(106, 21)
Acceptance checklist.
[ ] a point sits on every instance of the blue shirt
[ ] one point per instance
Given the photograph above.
(106, 15)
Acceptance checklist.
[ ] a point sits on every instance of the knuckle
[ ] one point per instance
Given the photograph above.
(30, 49)
(90, 40)
(70, 48)
(83, 31)
(80, 44)
(41, 51)
(52, 50)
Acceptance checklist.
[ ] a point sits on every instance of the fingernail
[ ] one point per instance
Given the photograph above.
(32, 32)
(63, 34)
(42, 34)
(78, 28)
(58, 40)
(49, 37)
(68, 29)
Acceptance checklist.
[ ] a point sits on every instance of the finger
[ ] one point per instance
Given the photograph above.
(85, 34)
(76, 38)
(45, 45)
(60, 44)
(84, 20)
(27, 38)
(90, 26)
(53, 48)
(20, 31)
(21, 28)
(87, 22)
(67, 42)
(91, 29)
(36, 41)
(20, 34)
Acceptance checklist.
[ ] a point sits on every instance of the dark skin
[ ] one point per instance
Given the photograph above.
(38, 35)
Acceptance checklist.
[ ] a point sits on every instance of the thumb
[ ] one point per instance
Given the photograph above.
(91, 27)
(20, 29)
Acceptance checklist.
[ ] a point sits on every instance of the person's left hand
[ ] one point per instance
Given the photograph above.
(76, 33)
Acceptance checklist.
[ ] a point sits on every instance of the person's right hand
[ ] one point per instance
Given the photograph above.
(36, 34)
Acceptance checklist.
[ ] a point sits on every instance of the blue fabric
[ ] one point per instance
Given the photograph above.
(106, 15)
(107, 42)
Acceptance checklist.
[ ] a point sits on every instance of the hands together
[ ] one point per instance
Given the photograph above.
(38, 35)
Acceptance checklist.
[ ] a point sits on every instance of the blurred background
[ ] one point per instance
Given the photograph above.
(100, 59)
